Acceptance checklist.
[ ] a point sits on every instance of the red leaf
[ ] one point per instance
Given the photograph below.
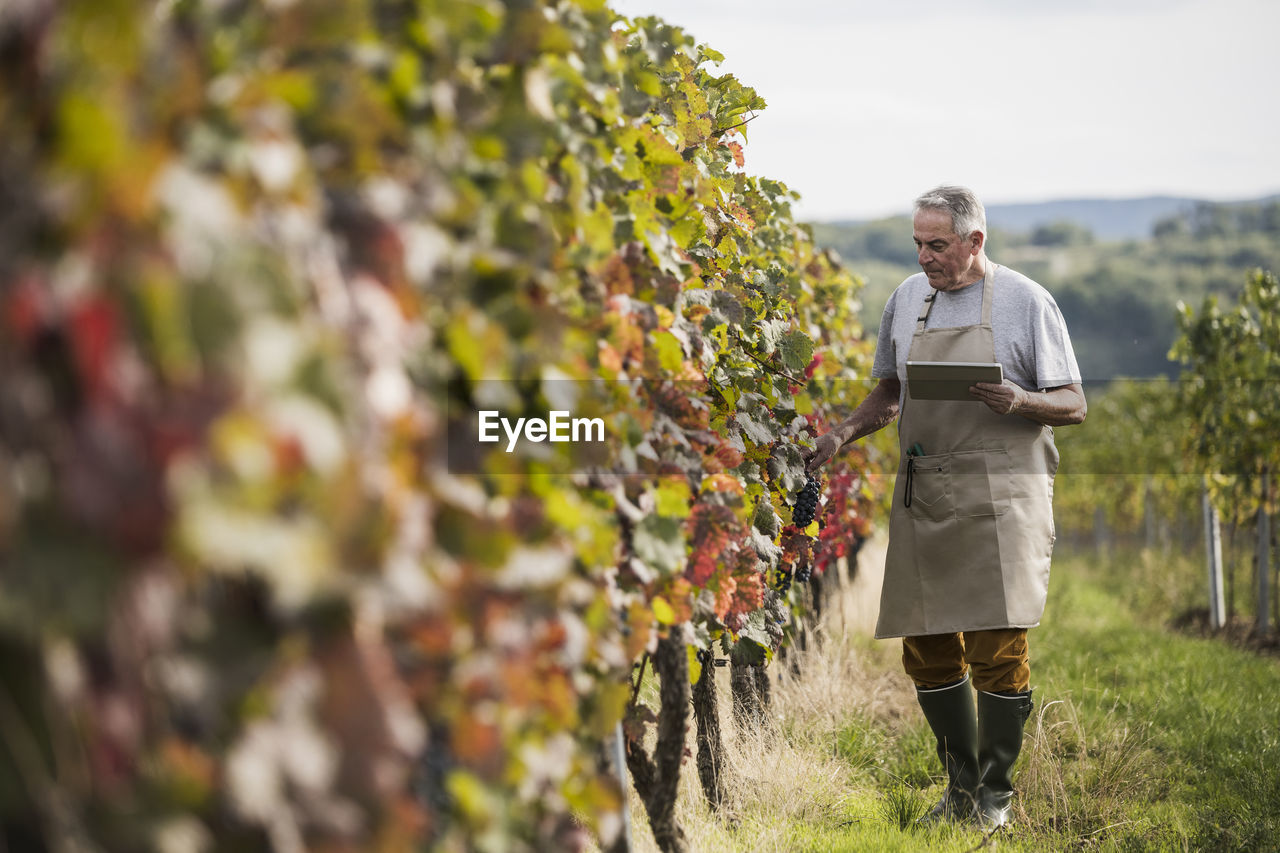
(94, 331)
(728, 456)
(813, 365)
(738, 159)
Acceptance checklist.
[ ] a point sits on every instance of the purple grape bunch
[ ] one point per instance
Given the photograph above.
(804, 573)
(807, 502)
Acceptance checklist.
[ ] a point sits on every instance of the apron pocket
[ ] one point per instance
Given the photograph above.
(980, 481)
(964, 484)
(931, 488)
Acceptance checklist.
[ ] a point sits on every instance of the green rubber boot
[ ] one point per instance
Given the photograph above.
(951, 716)
(1000, 722)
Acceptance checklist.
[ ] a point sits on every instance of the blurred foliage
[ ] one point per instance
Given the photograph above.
(1150, 446)
(1126, 461)
(260, 265)
(1207, 219)
(1232, 393)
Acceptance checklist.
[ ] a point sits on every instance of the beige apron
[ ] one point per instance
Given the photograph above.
(972, 549)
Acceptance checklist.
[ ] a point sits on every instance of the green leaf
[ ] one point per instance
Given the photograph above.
(756, 429)
(765, 519)
(771, 333)
(786, 468)
(687, 229)
(796, 350)
(754, 640)
(727, 307)
(766, 549)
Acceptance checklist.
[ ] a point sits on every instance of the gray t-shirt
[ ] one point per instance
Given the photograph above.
(1028, 330)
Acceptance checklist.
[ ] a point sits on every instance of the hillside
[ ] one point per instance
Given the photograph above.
(1119, 297)
(1107, 219)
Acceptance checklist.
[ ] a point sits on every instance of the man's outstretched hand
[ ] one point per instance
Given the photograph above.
(826, 446)
(878, 410)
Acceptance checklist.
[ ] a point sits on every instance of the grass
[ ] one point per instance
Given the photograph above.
(1183, 730)
(1141, 739)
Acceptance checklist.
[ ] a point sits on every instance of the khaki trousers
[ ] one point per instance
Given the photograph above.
(997, 657)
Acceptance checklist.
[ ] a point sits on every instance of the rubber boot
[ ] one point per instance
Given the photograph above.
(1000, 722)
(951, 716)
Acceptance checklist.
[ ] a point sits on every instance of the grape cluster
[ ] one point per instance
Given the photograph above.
(801, 575)
(807, 502)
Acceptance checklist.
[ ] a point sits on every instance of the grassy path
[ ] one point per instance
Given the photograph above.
(1202, 719)
(1142, 739)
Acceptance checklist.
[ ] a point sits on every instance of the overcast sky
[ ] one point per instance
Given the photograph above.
(872, 102)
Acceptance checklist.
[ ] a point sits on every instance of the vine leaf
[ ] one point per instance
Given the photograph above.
(796, 349)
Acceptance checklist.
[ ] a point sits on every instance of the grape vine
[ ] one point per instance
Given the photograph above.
(261, 266)
(1233, 358)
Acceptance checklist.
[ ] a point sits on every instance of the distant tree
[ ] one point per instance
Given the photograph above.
(1171, 227)
(1061, 233)
(1270, 220)
(1212, 220)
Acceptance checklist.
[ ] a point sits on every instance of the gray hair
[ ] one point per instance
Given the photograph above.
(967, 213)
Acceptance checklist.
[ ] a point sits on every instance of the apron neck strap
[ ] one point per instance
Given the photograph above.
(988, 285)
(988, 281)
(924, 311)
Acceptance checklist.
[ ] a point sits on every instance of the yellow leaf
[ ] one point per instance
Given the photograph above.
(670, 355)
(662, 611)
(92, 139)
(474, 801)
(673, 498)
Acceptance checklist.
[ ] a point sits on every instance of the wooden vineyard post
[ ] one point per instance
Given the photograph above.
(1213, 549)
(1264, 557)
(618, 761)
(1149, 514)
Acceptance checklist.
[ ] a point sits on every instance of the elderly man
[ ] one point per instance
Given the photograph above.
(971, 532)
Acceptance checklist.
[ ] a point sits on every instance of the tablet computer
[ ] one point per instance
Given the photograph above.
(949, 380)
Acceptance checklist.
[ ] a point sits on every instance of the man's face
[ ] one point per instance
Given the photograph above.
(946, 258)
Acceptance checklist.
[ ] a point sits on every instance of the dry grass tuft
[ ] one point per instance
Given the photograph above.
(1077, 784)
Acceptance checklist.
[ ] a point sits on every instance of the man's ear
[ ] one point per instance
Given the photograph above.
(976, 241)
